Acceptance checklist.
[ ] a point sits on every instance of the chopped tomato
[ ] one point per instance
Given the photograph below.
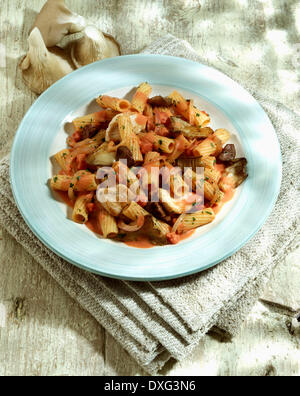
(76, 136)
(80, 162)
(147, 143)
(141, 120)
(161, 117)
(142, 200)
(150, 124)
(173, 238)
(90, 207)
(162, 131)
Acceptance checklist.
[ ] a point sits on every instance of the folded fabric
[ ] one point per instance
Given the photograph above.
(155, 321)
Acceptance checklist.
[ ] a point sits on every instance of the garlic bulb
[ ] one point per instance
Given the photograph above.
(42, 67)
(93, 46)
(55, 21)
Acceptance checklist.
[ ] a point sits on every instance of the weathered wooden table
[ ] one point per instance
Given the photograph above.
(42, 330)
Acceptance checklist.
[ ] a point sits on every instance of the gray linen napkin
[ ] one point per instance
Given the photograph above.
(158, 320)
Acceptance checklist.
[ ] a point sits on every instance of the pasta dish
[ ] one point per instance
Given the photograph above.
(147, 171)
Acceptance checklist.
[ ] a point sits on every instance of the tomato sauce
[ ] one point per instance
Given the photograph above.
(93, 225)
(220, 168)
(64, 196)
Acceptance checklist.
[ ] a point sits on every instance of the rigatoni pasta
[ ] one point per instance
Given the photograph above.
(80, 213)
(108, 102)
(141, 96)
(129, 138)
(147, 168)
(108, 224)
(194, 220)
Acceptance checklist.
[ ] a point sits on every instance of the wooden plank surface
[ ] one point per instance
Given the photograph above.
(43, 331)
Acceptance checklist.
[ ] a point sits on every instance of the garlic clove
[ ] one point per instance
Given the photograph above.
(55, 21)
(93, 46)
(42, 67)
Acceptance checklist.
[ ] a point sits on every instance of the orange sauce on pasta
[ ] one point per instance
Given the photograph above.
(229, 194)
(182, 107)
(142, 243)
(220, 168)
(64, 196)
(93, 225)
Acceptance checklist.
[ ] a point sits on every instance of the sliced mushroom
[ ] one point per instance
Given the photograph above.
(88, 131)
(236, 173)
(113, 132)
(159, 101)
(228, 154)
(157, 210)
(124, 153)
(101, 157)
(180, 126)
(156, 230)
(114, 199)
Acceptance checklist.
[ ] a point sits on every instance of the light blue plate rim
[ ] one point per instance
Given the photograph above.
(261, 148)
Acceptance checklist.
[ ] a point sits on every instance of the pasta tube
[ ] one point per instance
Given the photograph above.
(60, 182)
(208, 162)
(205, 162)
(129, 138)
(61, 157)
(206, 148)
(212, 175)
(141, 96)
(94, 119)
(180, 104)
(134, 210)
(148, 112)
(164, 144)
(202, 119)
(209, 191)
(80, 213)
(86, 182)
(151, 156)
(191, 221)
(108, 224)
(108, 102)
(223, 135)
(218, 197)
